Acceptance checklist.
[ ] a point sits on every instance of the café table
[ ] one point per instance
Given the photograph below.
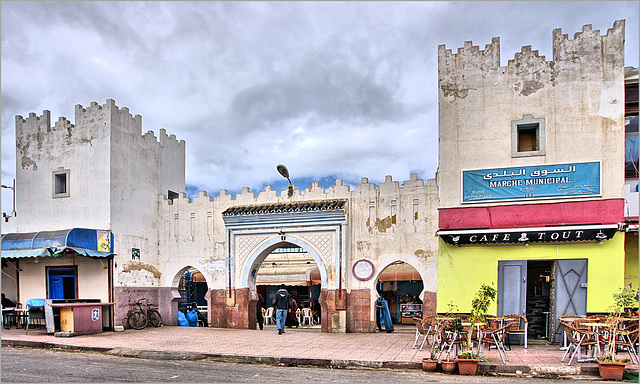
(9, 317)
(478, 327)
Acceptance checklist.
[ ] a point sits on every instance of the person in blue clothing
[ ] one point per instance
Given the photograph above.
(384, 315)
(282, 304)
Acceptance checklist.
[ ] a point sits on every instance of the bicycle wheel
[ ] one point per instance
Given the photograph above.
(154, 317)
(137, 320)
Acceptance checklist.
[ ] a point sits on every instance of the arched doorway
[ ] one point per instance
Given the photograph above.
(255, 231)
(401, 285)
(294, 267)
(304, 274)
(189, 291)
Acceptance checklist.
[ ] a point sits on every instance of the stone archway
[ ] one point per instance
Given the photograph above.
(253, 263)
(253, 232)
(175, 295)
(400, 279)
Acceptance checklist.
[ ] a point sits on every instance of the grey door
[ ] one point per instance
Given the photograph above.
(571, 291)
(512, 287)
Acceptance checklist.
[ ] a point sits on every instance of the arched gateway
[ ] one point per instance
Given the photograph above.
(254, 231)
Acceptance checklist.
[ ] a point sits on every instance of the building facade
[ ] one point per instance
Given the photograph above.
(531, 179)
(107, 177)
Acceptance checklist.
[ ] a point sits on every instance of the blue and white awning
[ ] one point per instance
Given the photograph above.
(81, 241)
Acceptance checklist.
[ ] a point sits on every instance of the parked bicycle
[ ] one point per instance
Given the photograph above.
(140, 318)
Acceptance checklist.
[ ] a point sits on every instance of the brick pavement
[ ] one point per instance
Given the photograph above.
(302, 346)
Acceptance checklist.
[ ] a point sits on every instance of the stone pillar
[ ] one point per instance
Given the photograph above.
(237, 313)
(429, 303)
(217, 314)
(334, 319)
(359, 311)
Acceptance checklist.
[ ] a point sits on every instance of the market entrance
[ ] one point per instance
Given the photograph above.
(292, 266)
(401, 286)
(256, 231)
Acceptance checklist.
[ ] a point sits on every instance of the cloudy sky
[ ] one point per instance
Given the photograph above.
(334, 90)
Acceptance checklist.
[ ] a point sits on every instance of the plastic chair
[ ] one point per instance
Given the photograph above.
(35, 312)
(307, 316)
(268, 316)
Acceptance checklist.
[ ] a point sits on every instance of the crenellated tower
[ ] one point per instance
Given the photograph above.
(577, 97)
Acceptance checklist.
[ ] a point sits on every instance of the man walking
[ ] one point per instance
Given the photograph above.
(281, 303)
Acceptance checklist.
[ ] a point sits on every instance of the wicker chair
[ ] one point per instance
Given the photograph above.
(629, 339)
(579, 339)
(495, 337)
(423, 328)
(518, 325)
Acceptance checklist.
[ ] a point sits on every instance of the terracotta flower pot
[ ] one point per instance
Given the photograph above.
(468, 366)
(611, 370)
(449, 367)
(429, 365)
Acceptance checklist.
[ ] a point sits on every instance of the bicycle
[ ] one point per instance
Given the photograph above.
(139, 318)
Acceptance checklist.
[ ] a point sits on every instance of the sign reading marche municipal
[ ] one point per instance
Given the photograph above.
(531, 182)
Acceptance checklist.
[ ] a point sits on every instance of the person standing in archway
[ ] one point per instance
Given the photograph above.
(281, 302)
(259, 311)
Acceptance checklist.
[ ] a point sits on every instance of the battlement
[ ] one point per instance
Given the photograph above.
(471, 68)
(34, 122)
(90, 118)
(339, 191)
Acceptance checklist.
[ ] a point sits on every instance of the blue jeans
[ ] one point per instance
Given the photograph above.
(281, 317)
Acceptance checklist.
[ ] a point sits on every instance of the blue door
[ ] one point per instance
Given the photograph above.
(62, 283)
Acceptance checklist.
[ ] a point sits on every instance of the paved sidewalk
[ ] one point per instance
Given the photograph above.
(300, 346)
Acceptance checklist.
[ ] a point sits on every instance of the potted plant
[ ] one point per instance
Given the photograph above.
(468, 361)
(429, 364)
(454, 325)
(609, 366)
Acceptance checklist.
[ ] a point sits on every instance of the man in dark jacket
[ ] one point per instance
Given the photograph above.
(259, 311)
(281, 302)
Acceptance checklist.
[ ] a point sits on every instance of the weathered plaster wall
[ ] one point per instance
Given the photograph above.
(41, 149)
(580, 94)
(92, 282)
(385, 223)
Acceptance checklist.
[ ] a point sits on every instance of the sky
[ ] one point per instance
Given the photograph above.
(333, 90)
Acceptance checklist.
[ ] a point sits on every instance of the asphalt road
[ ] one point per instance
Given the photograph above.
(21, 365)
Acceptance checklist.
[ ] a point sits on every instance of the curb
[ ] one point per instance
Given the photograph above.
(547, 371)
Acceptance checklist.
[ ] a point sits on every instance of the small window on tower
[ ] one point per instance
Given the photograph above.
(528, 137)
(60, 182)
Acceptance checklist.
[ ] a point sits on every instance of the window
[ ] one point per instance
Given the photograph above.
(62, 283)
(61, 182)
(528, 137)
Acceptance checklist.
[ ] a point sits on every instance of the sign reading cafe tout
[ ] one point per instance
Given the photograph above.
(531, 182)
(582, 233)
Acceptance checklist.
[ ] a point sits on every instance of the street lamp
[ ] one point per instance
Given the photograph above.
(285, 173)
(13, 190)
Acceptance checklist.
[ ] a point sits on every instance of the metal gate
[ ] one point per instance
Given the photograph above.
(570, 292)
(512, 287)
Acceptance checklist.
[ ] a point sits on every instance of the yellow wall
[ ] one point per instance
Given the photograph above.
(631, 260)
(461, 270)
